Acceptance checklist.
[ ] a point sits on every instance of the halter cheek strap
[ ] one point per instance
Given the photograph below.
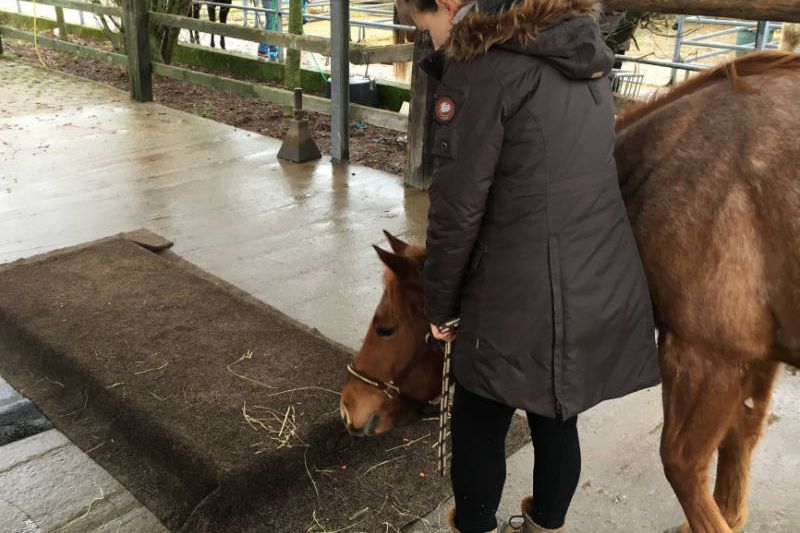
(391, 388)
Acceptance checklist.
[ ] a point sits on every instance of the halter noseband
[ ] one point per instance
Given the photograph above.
(391, 388)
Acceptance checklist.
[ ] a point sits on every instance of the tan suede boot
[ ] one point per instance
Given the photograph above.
(526, 524)
(450, 518)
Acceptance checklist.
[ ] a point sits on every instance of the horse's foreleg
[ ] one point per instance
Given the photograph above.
(700, 395)
(212, 16)
(735, 452)
(194, 12)
(223, 18)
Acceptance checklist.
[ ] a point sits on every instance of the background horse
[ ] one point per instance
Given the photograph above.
(713, 196)
(194, 12)
(790, 37)
(401, 16)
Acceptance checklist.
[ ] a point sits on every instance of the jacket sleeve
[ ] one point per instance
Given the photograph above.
(466, 150)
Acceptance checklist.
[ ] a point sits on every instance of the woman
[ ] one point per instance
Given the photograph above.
(528, 242)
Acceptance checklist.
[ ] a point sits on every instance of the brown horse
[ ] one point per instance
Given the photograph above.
(713, 193)
(402, 36)
(712, 189)
(397, 370)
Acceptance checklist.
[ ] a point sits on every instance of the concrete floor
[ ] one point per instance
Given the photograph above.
(78, 162)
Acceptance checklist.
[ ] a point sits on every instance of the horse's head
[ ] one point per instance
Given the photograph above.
(397, 370)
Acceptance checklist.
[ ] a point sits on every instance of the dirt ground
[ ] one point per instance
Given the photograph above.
(375, 147)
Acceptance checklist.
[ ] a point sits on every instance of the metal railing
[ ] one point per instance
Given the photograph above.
(762, 39)
(627, 84)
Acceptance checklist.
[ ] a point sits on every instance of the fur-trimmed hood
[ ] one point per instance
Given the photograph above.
(563, 32)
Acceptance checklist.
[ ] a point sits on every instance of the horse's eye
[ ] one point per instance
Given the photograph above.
(384, 332)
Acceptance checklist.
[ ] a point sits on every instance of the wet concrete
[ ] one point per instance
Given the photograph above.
(19, 417)
(297, 236)
(78, 162)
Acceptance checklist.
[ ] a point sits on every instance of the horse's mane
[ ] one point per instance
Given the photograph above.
(749, 65)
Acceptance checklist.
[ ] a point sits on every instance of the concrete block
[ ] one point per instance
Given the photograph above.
(63, 489)
(25, 450)
(139, 520)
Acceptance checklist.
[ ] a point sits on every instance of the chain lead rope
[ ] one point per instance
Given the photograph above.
(445, 403)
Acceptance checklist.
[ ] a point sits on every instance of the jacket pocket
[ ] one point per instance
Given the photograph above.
(444, 142)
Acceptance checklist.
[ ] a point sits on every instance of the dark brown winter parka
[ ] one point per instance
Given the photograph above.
(528, 240)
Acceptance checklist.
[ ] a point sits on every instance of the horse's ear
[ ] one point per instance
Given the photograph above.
(397, 245)
(403, 267)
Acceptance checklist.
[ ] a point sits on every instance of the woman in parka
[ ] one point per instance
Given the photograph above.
(528, 243)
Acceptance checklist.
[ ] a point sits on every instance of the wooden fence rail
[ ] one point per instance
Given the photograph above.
(65, 46)
(309, 43)
(777, 10)
(97, 9)
(359, 54)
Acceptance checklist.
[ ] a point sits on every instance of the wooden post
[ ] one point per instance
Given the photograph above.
(782, 10)
(340, 80)
(1, 44)
(135, 21)
(291, 78)
(418, 163)
(62, 26)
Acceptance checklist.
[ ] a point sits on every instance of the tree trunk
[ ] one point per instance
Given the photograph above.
(291, 78)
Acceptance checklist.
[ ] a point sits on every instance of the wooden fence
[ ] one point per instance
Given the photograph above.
(136, 17)
(141, 67)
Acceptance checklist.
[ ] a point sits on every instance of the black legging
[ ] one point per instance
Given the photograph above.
(478, 469)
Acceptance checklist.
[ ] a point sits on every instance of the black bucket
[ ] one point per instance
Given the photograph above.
(363, 91)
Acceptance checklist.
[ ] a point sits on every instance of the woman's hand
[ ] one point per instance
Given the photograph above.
(447, 335)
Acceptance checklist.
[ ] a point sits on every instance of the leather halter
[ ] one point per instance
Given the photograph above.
(391, 388)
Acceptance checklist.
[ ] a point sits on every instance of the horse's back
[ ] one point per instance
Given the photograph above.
(716, 211)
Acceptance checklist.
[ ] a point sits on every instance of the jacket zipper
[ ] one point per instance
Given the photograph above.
(482, 247)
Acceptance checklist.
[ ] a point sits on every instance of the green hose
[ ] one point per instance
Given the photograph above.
(321, 72)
